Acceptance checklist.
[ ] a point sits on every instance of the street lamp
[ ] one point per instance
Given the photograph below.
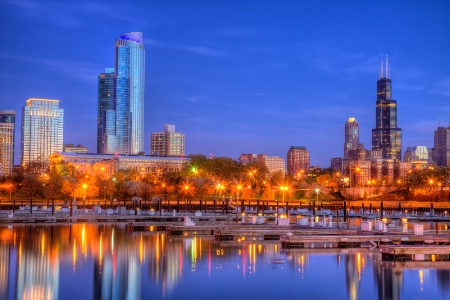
(84, 198)
(317, 200)
(186, 187)
(237, 192)
(283, 190)
(219, 187)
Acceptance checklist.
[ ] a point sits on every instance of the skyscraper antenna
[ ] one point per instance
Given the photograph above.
(387, 67)
(381, 67)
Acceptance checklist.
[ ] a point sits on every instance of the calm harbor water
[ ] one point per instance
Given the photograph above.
(85, 261)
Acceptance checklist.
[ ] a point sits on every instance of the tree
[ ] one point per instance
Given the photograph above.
(144, 190)
(53, 187)
(67, 188)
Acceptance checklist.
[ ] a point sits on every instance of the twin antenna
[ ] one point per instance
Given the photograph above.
(382, 73)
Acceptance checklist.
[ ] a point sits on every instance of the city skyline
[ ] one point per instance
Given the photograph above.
(246, 77)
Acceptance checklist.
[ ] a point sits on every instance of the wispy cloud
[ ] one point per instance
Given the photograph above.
(153, 42)
(77, 70)
(203, 50)
(442, 87)
(55, 13)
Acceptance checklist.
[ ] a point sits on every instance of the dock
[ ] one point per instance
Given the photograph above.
(357, 240)
(415, 252)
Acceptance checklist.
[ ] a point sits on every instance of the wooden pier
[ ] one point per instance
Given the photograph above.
(358, 240)
(415, 252)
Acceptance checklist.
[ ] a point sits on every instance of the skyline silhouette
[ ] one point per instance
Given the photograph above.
(236, 77)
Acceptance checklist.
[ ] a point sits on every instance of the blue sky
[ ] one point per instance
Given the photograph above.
(236, 76)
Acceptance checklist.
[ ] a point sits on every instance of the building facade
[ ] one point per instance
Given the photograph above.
(386, 137)
(298, 160)
(441, 153)
(42, 130)
(72, 148)
(351, 136)
(273, 163)
(7, 133)
(106, 165)
(121, 99)
(106, 115)
(415, 153)
(167, 143)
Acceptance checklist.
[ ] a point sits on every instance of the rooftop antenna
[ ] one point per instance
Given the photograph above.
(387, 68)
(381, 67)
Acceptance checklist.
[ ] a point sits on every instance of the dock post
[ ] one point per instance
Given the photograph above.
(381, 210)
(337, 217)
(257, 206)
(362, 207)
(14, 204)
(314, 210)
(31, 206)
(345, 211)
(160, 207)
(370, 207)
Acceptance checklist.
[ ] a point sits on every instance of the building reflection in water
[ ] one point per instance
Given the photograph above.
(42, 261)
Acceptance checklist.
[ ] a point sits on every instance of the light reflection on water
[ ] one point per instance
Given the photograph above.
(106, 262)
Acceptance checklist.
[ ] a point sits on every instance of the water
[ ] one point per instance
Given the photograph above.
(106, 262)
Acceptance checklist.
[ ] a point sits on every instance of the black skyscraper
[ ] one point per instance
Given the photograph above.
(386, 137)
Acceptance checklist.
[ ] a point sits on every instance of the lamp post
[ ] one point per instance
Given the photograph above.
(283, 190)
(111, 194)
(84, 198)
(164, 195)
(10, 191)
(314, 206)
(186, 187)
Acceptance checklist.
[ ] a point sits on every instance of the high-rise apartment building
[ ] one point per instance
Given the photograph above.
(121, 99)
(351, 136)
(106, 116)
(167, 143)
(273, 163)
(7, 130)
(386, 137)
(298, 160)
(42, 130)
(441, 153)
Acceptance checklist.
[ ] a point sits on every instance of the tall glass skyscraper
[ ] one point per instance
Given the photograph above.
(42, 130)
(7, 129)
(386, 137)
(121, 99)
(106, 117)
(351, 136)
